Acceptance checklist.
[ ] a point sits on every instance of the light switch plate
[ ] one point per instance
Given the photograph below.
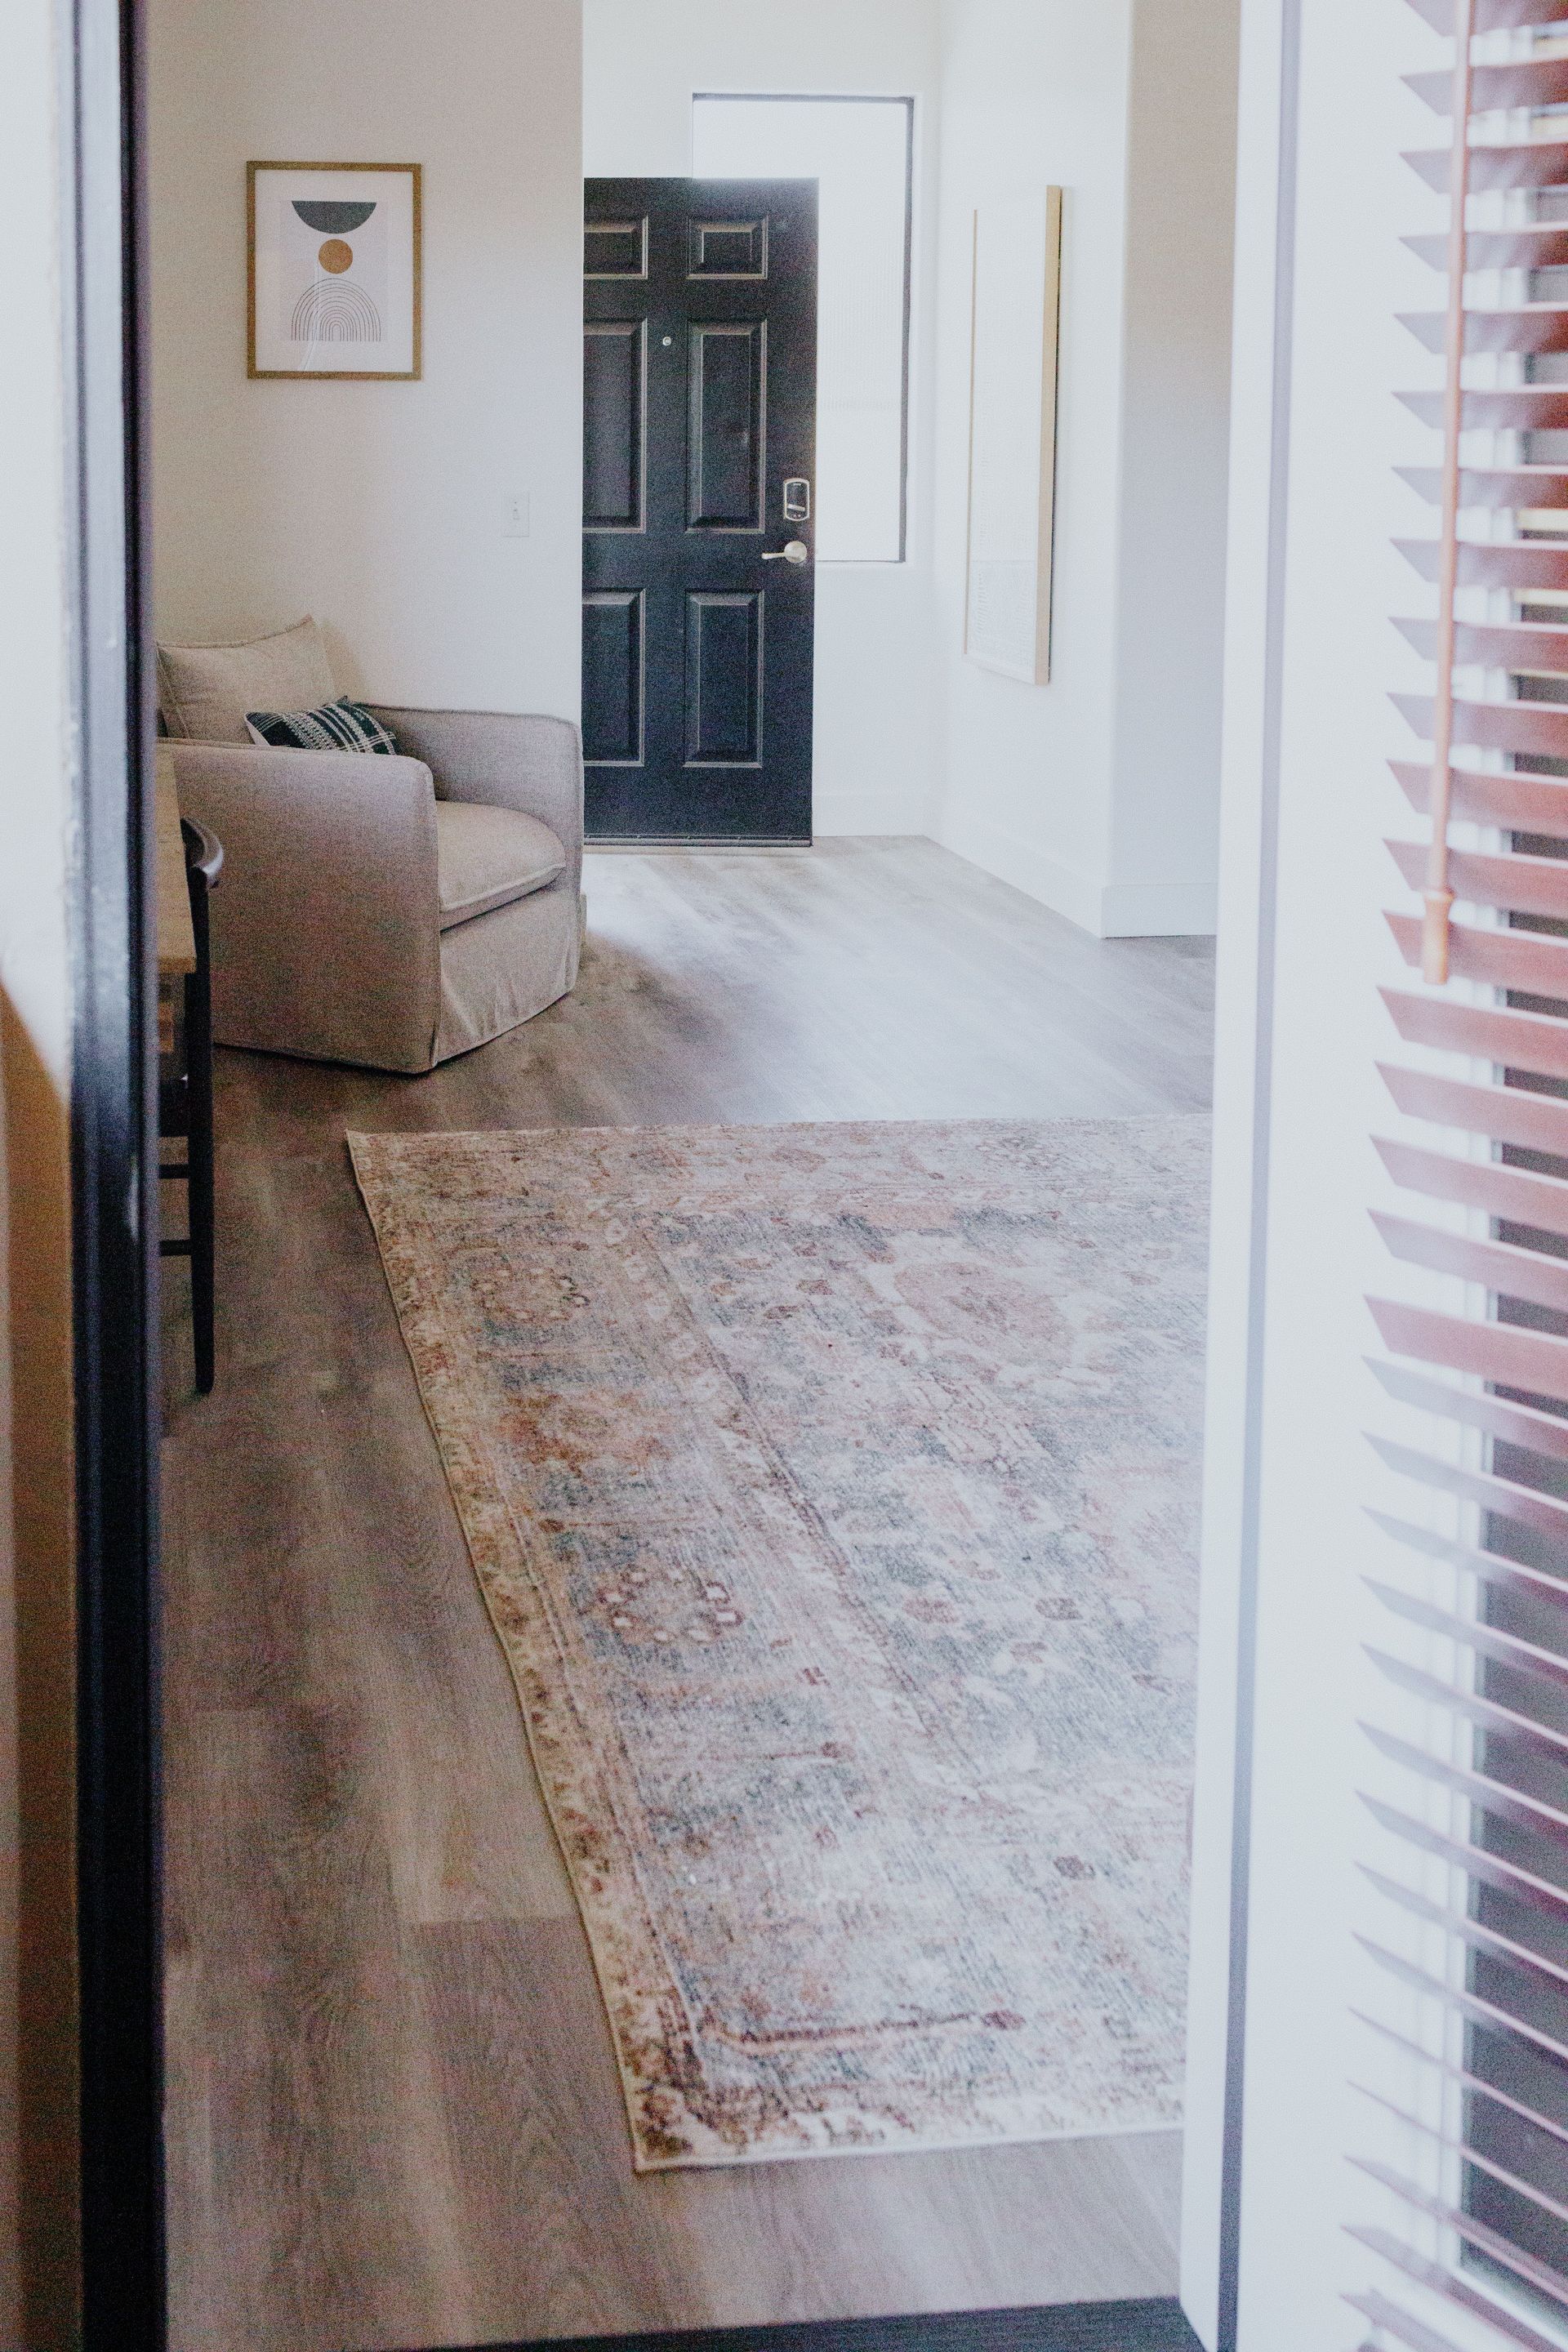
(515, 515)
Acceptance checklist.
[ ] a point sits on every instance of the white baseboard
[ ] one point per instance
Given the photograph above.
(996, 851)
(1164, 910)
(1111, 910)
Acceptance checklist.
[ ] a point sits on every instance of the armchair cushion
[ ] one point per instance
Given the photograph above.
(205, 691)
(488, 856)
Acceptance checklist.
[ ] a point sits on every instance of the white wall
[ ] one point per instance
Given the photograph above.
(378, 506)
(1097, 792)
(1035, 93)
(874, 734)
(1172, 494)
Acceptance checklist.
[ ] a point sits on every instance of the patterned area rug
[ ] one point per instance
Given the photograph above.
(834, 1492)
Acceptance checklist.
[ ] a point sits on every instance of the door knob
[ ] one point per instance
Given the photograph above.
(795, 550)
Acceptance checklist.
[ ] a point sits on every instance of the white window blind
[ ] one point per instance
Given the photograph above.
(1470, 1786)
(858, 151)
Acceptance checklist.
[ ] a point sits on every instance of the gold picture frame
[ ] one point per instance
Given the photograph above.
(347, 294)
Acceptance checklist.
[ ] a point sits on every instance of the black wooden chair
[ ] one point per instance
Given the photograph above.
(186, 1097)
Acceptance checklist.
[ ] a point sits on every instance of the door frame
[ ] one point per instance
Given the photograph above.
(911, 105)
(115, 1185)
(115, 1290)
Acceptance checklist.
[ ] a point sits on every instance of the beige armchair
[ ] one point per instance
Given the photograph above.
(393, 911)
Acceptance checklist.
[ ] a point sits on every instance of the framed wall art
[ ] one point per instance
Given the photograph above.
(334, 269)
(1013, 436)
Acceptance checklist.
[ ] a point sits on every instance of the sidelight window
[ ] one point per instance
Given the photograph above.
(860, 152)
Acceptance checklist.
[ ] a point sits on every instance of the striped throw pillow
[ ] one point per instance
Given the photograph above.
(340, 726)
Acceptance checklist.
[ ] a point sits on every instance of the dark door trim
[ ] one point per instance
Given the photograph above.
(114, 1154)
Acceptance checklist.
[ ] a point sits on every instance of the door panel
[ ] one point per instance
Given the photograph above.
(699, 395)
(615, 370)
(726, 439)
(613, 678)
(728, 248)
(613, 248)
(723, 680)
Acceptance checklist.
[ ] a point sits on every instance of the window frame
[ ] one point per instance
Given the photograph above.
(855, 98)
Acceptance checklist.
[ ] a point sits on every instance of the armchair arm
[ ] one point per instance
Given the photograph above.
(506, 758)
(325, 935)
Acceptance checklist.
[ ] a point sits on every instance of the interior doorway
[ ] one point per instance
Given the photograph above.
(420, 1948)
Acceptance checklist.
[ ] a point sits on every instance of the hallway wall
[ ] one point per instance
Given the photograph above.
(378, 506)
(876, 721)
(1173, 467)
(1099, 792)
(1034, 92)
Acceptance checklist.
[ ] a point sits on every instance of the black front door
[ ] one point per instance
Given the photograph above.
(699, 414)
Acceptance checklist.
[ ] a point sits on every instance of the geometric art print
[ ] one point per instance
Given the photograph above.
(334, 269)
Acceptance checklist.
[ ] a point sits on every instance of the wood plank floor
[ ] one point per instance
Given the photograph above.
(394, 2118)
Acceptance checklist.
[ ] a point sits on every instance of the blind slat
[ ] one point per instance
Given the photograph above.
(1512, 2181)
(1516, 1425)
(1519, 801)
(1530, 163)
(1491, 15)
(1524, 1041)
(1492, 1567)
(1513, 1273)
(1524, 245)
(1523, 1657)
(1528, 1504)
(1465, 2225)
(1528, 81)
(1459, 2291)
(1507, 408)
(1488, 1184)
(1513, 1358)
(1461, 1925)
(1501, 645)
(1515, 959)
(1510, 1878)
(1533, 327)
(1506, 1114)
(1525, 886)
(1507, 1804)
(1539, 729)
(1398, 2323)
(1453, 2074)
(1496, 563)
(1524, 1729)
